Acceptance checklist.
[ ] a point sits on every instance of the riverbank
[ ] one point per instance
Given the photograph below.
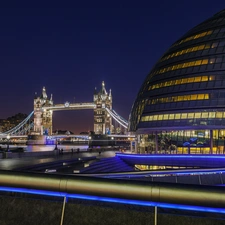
(47, 150)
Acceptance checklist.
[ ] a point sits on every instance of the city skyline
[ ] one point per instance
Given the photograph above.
(71, 49)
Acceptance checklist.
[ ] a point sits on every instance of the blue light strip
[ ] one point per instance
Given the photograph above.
(162, 174)
(114, 200)
(169, 156)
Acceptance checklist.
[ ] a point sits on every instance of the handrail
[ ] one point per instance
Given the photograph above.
(181, 194)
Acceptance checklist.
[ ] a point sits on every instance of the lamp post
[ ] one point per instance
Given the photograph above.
(89, 141)
(8, 138)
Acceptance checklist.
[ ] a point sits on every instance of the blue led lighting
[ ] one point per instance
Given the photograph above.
(114, 200)
(169, 156)
(163, 173)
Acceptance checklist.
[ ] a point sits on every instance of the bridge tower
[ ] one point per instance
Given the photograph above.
(102, 120)
(42, 117)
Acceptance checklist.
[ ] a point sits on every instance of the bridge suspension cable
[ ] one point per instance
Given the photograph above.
(118, 118)
(20, 125)
(121, 118)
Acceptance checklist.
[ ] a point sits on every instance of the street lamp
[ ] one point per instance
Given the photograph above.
(8, 138)
(89, 141)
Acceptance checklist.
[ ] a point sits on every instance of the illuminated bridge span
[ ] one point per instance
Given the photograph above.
(39, 121)
(74, 106)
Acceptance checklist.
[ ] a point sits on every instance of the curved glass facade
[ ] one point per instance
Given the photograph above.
(181, 104)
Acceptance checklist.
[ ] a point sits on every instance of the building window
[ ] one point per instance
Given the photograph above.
(191, 115)
(188, 50)
(179, 98)
(202, 34)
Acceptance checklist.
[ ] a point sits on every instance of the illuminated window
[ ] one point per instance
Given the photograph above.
(212, 114)
(205, 115)
(198, 62)
(183, 65)
(190, 80)
(155, 117)
(183, 115)
(198, 79)
(197, 115)
(194, 37)
(205, 61)
(165, 117)
(185, 51)
(181, 81)
(180, 98)
(160, 117)
(191, 115)
(219, 115)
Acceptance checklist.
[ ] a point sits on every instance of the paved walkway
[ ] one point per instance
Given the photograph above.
(14, 163)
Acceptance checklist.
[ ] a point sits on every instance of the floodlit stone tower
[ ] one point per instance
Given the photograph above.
(42, 117)
(102, 119)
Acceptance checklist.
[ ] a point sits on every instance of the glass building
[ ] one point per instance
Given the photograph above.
(180, 107)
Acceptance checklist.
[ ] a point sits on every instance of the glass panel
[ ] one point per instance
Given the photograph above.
(205, 61)
(184, 116)
(204, 115)
(197, 115)
(212, 114)
(214, 45)
(198, 62)
(219, 115)
(190, 115)
(197, 79)
(212, 61)
(160, 117)
(165, 117)
(155, 117)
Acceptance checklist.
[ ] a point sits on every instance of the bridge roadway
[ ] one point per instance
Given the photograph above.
(71, 106)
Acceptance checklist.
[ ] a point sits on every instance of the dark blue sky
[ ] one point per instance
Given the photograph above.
(71, 48)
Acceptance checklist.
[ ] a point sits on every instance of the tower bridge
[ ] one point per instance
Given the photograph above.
(39, 122)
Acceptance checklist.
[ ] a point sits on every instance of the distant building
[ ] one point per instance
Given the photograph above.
(181, 105)
(10, 122)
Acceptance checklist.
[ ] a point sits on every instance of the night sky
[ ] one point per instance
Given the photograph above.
(71, 48)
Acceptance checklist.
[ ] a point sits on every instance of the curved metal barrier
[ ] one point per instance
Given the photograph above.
(128, 190)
